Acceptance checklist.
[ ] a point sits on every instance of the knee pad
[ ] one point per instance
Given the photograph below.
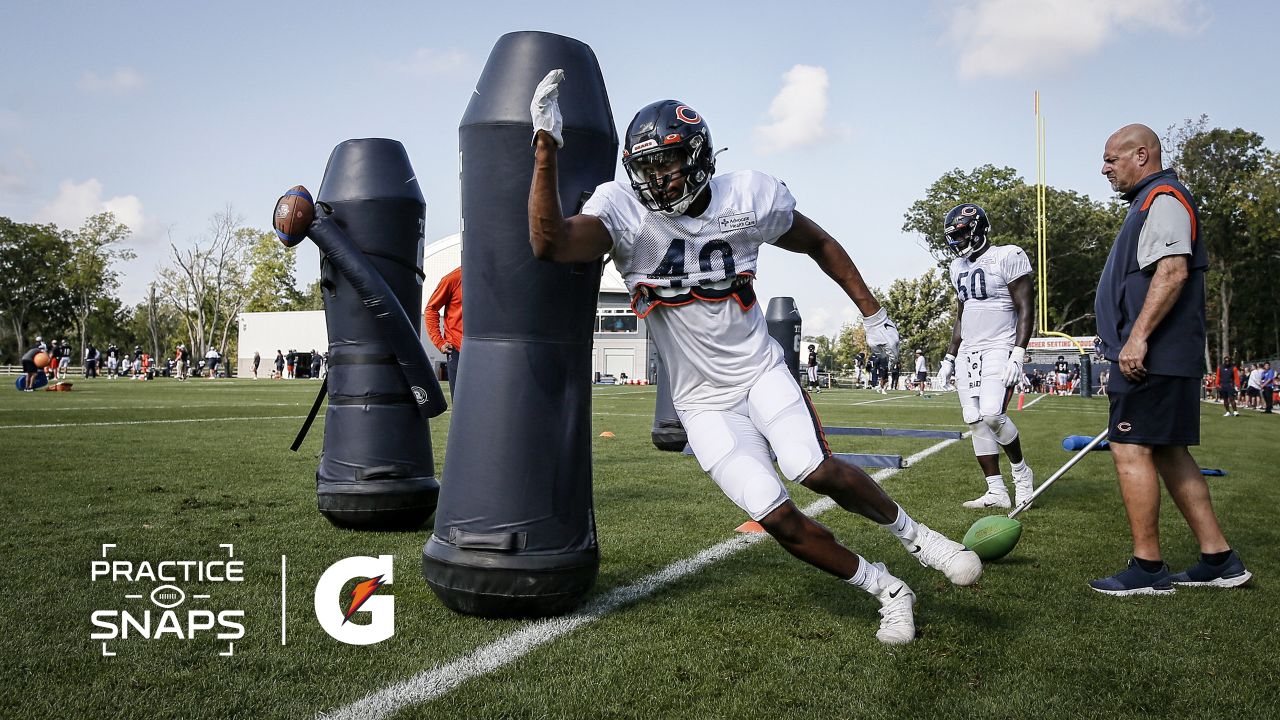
(1001, 427)
(751, 484)
(984, 443)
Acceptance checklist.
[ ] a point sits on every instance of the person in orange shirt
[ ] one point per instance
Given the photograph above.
(447, 298)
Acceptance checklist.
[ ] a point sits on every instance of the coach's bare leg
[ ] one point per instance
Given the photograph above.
(852, 489)
(1190, 491)
(1140, 491)
(809, 540)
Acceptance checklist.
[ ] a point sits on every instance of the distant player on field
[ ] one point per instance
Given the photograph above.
(1061, 373)
(993, 325)
(813, 369)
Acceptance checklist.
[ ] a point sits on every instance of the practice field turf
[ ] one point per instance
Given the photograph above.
(168, 470)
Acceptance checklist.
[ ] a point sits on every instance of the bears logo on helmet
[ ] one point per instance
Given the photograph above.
(966, 227)
(666, 140)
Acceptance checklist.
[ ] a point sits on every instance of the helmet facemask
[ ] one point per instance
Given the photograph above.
(651, 174)
(964, 242)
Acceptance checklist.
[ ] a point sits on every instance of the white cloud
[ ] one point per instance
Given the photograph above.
(77, 201)
(119, 82)
(425, 62)
(1001, 38)
(798, 114)
(74, 204)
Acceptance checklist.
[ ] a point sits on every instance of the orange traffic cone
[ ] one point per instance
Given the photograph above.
(1021, 396)
(750, 526)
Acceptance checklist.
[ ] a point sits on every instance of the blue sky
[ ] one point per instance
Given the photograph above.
(169, 112)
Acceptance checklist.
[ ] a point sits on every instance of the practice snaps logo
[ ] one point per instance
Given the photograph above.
(157, 613)
(337, 610)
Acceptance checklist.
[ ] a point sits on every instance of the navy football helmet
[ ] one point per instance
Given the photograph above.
(664, 139)
(966, 227)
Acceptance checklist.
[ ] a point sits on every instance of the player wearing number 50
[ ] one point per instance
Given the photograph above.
(686, 242)
(993, 325)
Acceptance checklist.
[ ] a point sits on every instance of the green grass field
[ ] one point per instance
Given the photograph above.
(169, 470)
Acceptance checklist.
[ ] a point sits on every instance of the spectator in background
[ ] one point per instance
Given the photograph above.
(922, 373)
(91, 361)
(446, 299)
(29, 367)
(211, 360)
(1255, 386)
(895, 373)
(279, 365)
(1228, 386)
(257, 360)
(1102, 381)
(315, 364)
(113, 361)
(1268, 386)
(181, 361)
(291, 363)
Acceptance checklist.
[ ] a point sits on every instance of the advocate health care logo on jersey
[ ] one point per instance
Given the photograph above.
(166, 599)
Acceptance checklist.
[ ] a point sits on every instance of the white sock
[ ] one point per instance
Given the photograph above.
(995, 484)
(1020, 466)
(871, 577)
(903, 528)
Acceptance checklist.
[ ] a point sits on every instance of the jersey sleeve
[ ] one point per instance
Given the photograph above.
(778, 207)
(607, 204)
(1015, 264)
(1166, 232)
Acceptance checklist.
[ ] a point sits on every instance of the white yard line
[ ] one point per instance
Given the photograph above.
(439, 680)
(153, 422)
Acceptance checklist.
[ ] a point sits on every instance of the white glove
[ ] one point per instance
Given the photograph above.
(1013, 371)
(948, 367)
(545, 107)
(882, 335)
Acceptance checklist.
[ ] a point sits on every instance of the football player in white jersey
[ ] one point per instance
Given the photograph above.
(993, 325)
(686, 244)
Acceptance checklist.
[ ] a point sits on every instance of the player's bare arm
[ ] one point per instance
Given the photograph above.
(579, 238)
(1171, 274)
(954, 346)
(806, 237)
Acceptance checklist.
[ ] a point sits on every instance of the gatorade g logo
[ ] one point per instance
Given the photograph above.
(419, 395)
(336, 610)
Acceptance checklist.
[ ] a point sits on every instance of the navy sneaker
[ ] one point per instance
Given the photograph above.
(1229, 574)
(1133, 580)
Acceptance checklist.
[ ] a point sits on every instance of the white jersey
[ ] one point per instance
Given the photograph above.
(713, 350)
(982, 285)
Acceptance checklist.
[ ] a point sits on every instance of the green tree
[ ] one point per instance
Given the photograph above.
(312, 298)
(924, 311)
(89, 275)
(1232, 175)
(32, 293)
(271, 285)
(206, 282)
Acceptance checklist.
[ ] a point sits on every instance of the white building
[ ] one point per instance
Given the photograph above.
(621, 344)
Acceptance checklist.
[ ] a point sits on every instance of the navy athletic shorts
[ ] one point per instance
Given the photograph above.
(1160, 410)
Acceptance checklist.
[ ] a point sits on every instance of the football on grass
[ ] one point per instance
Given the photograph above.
(294, 212)
(993, 536)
